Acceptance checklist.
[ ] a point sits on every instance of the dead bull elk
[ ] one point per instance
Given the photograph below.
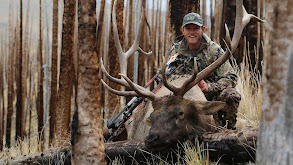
(179, 116)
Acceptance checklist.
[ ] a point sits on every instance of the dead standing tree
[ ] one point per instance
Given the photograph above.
(40, 94)
(66, 77)
(275, 140)
(112, 103)
(142, 69)
(10, 81)
(54, 70)
(19, 129)
(88, 140)
(2, 94)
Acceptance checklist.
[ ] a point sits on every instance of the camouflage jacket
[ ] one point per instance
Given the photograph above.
(222, 78)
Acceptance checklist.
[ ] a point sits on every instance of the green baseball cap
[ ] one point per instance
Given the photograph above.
(192, 18)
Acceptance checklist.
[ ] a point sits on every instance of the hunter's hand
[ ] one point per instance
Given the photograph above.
(203, 86)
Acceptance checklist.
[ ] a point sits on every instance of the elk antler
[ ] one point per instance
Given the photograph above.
(179, 91)
(137, 89)
(241, 20)
(123, 56)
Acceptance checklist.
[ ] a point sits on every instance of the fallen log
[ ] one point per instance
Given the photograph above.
(224, 145)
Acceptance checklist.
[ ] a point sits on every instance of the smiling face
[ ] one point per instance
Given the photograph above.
(193, 34)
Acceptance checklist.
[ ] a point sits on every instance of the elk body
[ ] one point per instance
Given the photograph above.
(173, 118)
(179, 111)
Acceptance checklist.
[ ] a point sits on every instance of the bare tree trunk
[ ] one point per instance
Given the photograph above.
(100, 27)
(151, 60)
(154, 38)
(113, 101)
(100, 44)
(2, 62)
(212, 17)
(54, 70)
(88, 141)
(26, 70)
(141, 59)
(19, 133)
(130, 60)
(275, 134)
(218, 20)
(10, 83)
(40, 95)
(204, 12)
(66, 77)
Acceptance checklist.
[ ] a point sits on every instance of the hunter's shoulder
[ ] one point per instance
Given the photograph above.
(214, 49)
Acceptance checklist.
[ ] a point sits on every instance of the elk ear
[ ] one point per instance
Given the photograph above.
(209, 107)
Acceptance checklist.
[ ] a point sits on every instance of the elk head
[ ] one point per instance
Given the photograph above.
(176, 118)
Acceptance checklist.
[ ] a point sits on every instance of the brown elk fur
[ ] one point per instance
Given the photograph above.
(174, 118)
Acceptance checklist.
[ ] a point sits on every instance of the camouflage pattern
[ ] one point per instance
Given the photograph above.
(221, 83)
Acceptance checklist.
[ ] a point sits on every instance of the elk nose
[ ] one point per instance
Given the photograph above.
(152, 138)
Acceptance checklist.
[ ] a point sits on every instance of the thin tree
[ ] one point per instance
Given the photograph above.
(54, 70)
(112, 101)
(19, 129)
(2, 62)
(40, 95)
(143, 42)
(100, 27)
(10, 81)
(100, 44)
(66, 76)
(88, 142)
(130, 60)
(275, 137)
(25, 87)
(151, 60)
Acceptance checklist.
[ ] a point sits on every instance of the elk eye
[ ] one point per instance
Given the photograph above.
(181, 115)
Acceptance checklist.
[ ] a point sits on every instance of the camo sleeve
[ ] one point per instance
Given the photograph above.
(227, 76)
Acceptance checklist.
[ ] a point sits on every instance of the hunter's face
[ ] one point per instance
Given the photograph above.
(193, 34)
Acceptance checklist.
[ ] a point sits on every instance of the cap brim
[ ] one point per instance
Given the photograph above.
(192, 22)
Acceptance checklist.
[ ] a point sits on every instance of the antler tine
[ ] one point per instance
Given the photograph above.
(121, 54)
(140, 91)
(135, 47)
(190, 79)
(171, 87)
(116, 80)
(119, 93)
(241, 20)
(182, 89)
(227, 37)
(113, 79)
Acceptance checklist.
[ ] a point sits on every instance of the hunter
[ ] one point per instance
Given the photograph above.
(218, 86)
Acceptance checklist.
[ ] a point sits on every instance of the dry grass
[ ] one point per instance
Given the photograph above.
(196, 154)
(249, 85)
